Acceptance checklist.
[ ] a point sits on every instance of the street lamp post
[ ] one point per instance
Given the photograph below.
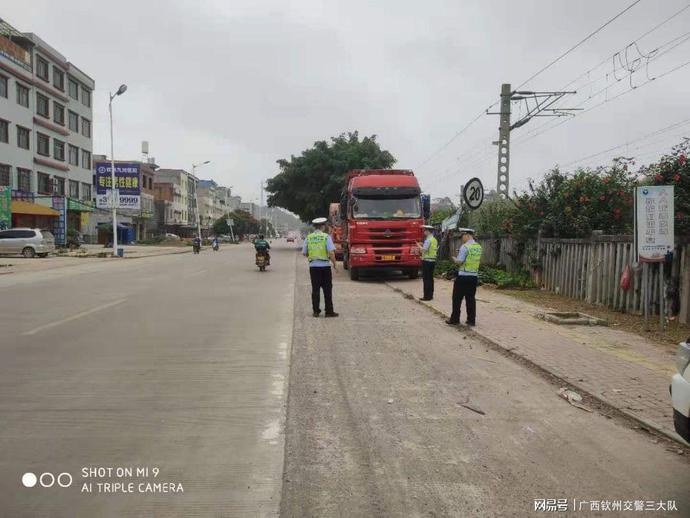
(120, 91)
(196, 198)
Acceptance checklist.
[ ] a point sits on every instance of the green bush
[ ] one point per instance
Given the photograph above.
(505, 280)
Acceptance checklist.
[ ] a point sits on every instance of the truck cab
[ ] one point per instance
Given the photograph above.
(382, 216)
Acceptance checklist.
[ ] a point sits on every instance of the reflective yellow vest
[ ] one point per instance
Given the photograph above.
(431, 253)
(316, 246)
(474, 255)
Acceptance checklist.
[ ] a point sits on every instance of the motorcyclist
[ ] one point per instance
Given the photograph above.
(215, 244)
(262, 247)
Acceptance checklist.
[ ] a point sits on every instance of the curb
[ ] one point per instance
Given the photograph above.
(544, 372)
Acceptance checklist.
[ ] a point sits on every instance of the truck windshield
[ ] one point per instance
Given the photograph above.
(385, 208)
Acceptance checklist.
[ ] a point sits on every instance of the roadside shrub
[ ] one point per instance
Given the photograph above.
(505, 280)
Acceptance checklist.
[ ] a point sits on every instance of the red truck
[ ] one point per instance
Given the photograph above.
(382, 214)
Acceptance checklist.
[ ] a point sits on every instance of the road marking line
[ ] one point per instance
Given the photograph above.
(73, 317)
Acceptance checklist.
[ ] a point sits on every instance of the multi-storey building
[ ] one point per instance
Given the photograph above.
(175, 199)
(45, 133)
(141, 221)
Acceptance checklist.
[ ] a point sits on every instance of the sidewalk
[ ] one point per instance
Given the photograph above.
(621, 369)
(17, 264)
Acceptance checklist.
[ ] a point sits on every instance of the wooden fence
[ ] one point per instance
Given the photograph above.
(591, 270)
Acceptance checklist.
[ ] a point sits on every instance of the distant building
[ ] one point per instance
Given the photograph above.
(46, 121)
(175, 201)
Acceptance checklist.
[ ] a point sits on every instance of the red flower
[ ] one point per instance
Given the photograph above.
(602, 198)
(676, 178)
(682, 159)
(679, 215)
(617, 210)
(605, 180)
(659, 177)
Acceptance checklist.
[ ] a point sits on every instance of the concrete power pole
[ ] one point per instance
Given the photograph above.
(503, 176)
(537, 104)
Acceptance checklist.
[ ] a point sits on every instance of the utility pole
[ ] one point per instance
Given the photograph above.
(261, 205)
(538, 104)
(503, 183)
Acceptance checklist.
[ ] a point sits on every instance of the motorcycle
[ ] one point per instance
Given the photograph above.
(262, 260)
(215, 246)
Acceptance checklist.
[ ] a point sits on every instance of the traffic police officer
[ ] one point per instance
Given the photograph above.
(429, 252)
(465, 286)
(319, 249)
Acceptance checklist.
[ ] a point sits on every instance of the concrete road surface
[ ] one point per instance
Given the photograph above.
(377, 426)
(176, 364)
(177, 369)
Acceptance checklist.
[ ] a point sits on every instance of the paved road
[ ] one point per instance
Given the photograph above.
(181, 363)
(376, 425)
(177, 363)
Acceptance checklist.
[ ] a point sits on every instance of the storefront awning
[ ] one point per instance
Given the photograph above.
(34, 209)
(78, 206)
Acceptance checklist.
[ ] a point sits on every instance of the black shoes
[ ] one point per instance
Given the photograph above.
(425, 299)
(470, 324)
(316, 313)
(452, 322)
(331, 315)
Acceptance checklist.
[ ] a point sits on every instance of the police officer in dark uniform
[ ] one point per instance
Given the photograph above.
(320, 250)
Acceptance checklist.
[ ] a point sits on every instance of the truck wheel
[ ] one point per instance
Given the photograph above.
(413, 273)
(354, 274)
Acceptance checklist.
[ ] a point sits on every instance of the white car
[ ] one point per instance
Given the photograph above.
(680, 391)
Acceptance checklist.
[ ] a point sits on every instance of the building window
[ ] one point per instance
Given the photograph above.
(85, 159)
(4, 131)
(4, 81)
(24, 180)
(58, 113)
(74, 189)
(85, 96)
(42, 144)
(42, 68)
(73, 89)
(23, 137)
(44, 183)
(22, 95)
(58, 79)
(85, 127)
(5, 175)
(73, 155)
(59, 186)
(42, 105)
(58, 150)
(86, 192)
(73, 121)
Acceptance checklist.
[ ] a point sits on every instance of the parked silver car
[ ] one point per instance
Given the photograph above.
(28, 242)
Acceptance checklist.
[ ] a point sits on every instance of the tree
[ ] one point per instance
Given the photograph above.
(308, 183)
(438, 215)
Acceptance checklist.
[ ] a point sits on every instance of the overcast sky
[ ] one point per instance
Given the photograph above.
(245, 82)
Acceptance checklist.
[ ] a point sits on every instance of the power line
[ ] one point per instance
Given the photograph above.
(479, 116)
(465, 128)
(611, 57)
(543, 69)
(628, 143)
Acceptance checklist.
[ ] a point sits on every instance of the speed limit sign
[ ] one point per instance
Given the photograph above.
(473, 193)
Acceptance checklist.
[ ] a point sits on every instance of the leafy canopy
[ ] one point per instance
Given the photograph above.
(308, 183)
